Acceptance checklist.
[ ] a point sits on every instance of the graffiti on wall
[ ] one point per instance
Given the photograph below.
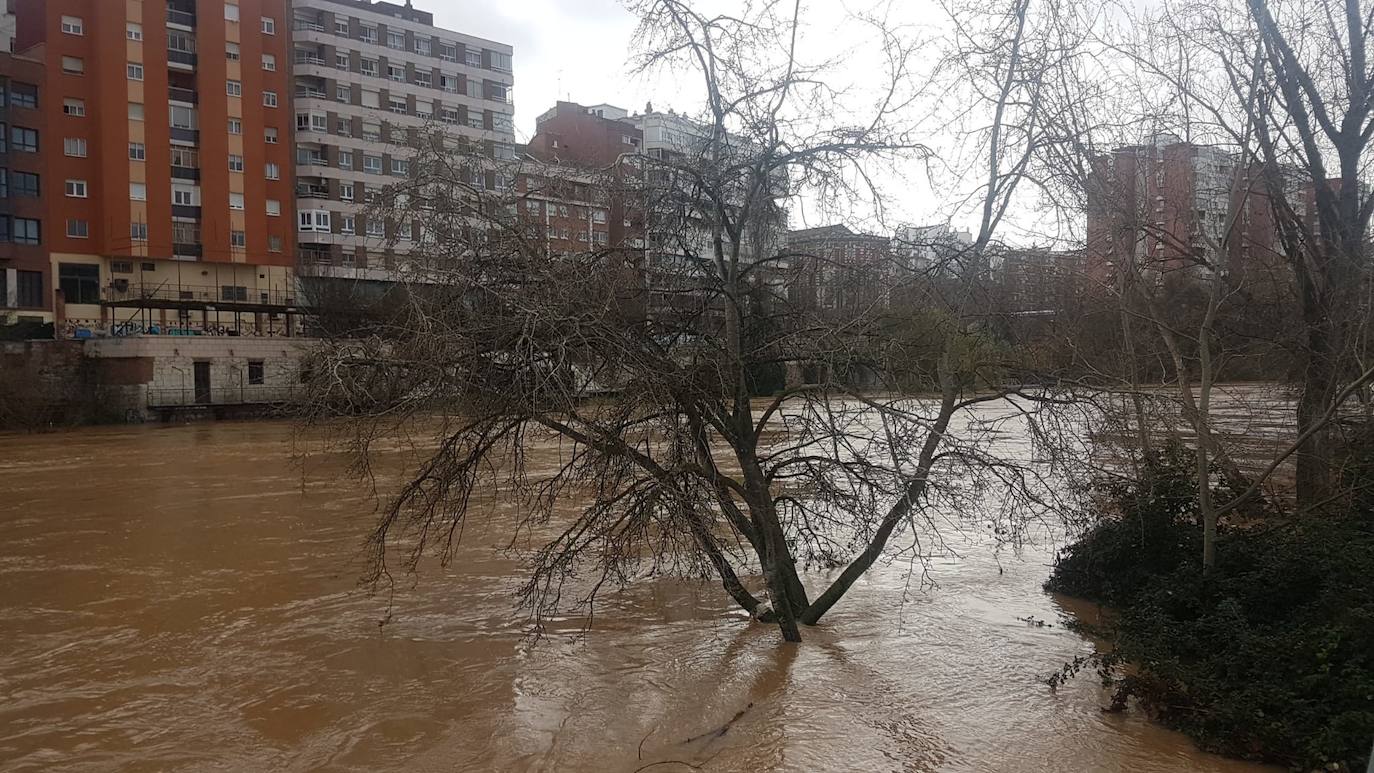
(94, 328)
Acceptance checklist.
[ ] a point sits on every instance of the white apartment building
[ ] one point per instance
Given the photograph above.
(368, 76)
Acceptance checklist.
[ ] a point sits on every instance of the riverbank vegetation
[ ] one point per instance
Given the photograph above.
(1269, 656)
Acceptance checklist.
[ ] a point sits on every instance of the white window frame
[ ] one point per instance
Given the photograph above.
(134, 71)
(133, 31)
(76, 189)
(138, 191)
(236, 201)
(269, 25)
(74, 107)
(73, 25)
(74, 147)
(269, 99)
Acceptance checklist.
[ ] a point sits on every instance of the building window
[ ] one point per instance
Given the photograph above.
(74, 107)
(78, 229)
(255, 373)
(269, 62)
(367, 34)
(30, 288)
(233, 293)
(341, 60)
(345, 191)
(24, 184)
(367, 67)
(25, 230)
(272, 171)
(269, 26)
(235, 163)
(133, 31)
(400, 166)
(121, 267)
(186, 196)
(345, 159)
(72, 25)
(396, 40)
(372, 164)
(397, 105)
(274, 243)
(134, 70)
(182, 117)
(73, 65)
(138, 191)
(233, 88)
(74, 147)
(422, 46)
(231, 51)
(269, 135)
(343, 93)
(273, 207)
(451, 83)
(23, 139)
(424, 79)
(238, 239)
(348, 224)
(448, 52)
(473, 58)
(80, 282)
(500, 61)
(315, 220)
(231, 12)
(236, 126)
(236, 201)
(341, 27)
(395, 73)
(76, 189)
(23, 95)
(138, 232)
(135, 111)
(269, 98)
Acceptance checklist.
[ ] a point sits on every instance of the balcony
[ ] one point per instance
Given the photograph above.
(184, 249)
(312, 192)
(187, 296)
(185, 135)
(185, 59)
(312, 161)
(305, 25)
(305, 57)
(310, 93)
(314, 253)
(185, 173)
(179, 17)
(186, 210)
(189, 96)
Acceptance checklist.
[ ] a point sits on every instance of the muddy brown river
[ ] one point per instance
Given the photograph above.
(185, 599)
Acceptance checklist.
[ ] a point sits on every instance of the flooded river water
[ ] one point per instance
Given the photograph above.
(185, 598)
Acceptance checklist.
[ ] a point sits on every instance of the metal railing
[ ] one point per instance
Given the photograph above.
(183, 18)
(198, 294)
(303, 57)
(234, 394)
(177, 94)
(301, 25)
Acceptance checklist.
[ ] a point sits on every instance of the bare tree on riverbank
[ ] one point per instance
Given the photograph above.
(682, 467)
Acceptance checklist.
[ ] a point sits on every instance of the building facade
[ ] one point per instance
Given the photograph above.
(835, 269)
(1166, 204)
(165, 163)
(25, 275)
(370, 81)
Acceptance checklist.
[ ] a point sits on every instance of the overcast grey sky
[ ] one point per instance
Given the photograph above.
(563, 48)
(580, 49)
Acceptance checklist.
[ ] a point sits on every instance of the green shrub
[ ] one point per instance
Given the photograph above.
(1272, 657)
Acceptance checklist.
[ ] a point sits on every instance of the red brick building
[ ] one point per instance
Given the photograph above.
(836, 269)
(1167, 203)
(25, 274)
(166, 161)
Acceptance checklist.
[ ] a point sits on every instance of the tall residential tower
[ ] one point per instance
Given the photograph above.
(166, 161)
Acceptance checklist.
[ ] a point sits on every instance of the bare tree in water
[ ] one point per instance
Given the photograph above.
(660, 373)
